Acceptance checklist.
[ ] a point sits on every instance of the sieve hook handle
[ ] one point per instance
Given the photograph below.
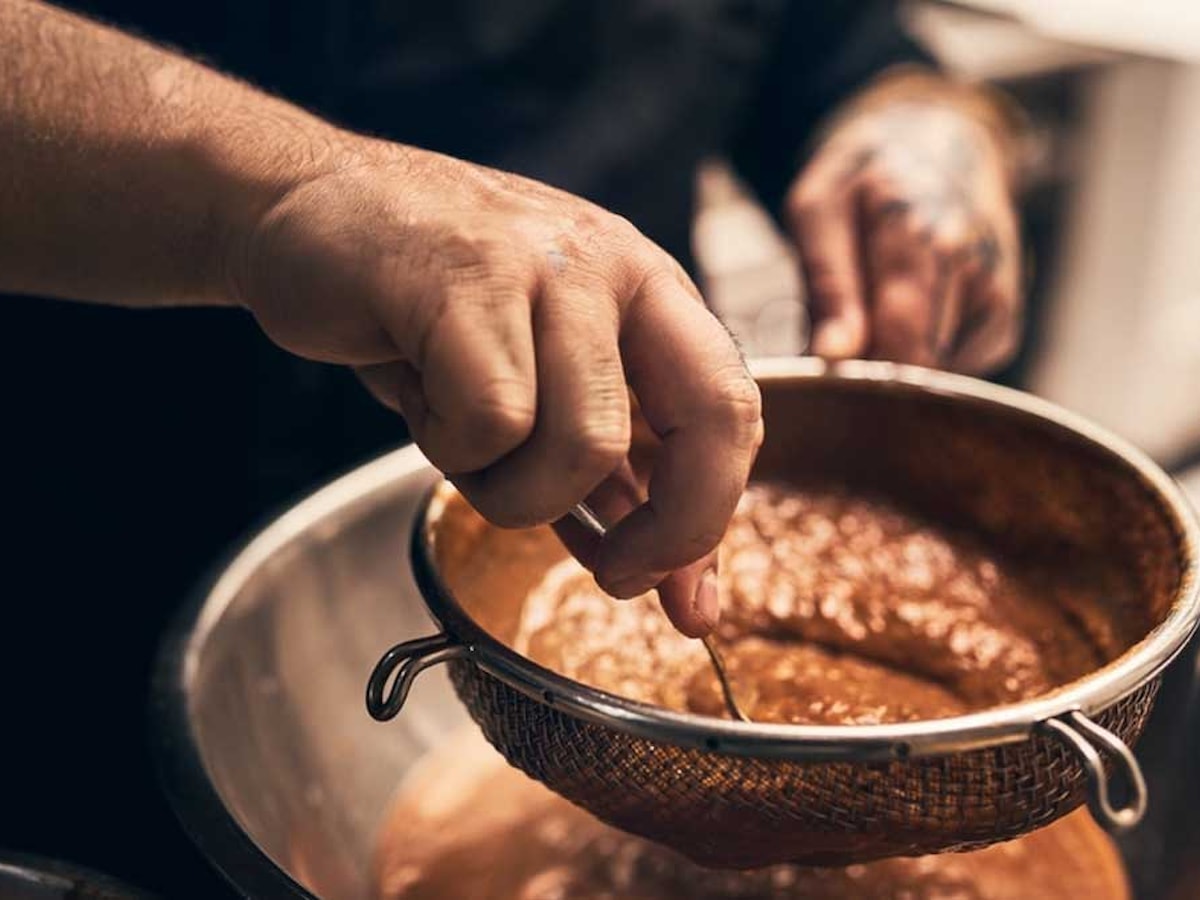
(1083, 735)
(406, 661)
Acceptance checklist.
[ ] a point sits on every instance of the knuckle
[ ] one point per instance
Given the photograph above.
(738, 403)
(469, 256)
(502, 290)
(616, 233)
(462, 256)
(620, 226)
(590, 219)
(918, 224)
(644, 254)
(501, 416)
(640, 271)
(661, 262)
(597, 447)
(949, 235)
(591, 443)
(617, 256)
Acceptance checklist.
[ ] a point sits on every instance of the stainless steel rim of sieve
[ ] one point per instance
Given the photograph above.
(1068, 713)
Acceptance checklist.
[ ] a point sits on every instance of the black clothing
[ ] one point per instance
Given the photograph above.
(140, 444)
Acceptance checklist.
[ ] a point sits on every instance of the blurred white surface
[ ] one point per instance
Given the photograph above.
(988, 47)
(1191, 484)
(1123, 341)
(750, 275)
(1123, 329)
(1166, 29)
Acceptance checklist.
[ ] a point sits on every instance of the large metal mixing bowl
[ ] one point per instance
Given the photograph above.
(266, 750)
(270, 759)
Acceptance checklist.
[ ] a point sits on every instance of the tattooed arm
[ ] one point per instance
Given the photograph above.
(906, 228)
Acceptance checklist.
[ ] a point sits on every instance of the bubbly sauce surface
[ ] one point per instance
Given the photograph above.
(836, 610)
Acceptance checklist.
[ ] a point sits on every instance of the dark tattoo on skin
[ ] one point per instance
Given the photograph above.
(938, 303)
(894, 209)
(931, 147)
(858, 162)
(987, 251)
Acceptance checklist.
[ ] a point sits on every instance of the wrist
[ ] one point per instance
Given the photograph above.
(257, 160)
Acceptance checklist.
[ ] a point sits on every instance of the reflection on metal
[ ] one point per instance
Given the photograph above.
(283, 779)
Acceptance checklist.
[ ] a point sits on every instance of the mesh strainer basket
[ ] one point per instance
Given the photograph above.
(1019, 473)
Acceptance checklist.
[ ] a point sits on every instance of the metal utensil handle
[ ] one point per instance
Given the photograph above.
(407, 661)
(586, 516)
(1076, 729)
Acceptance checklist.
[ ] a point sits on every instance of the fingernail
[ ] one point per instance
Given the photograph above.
(833, 339)
(707, 603)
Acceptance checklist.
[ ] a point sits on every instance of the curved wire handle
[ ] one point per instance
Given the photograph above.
(1075, 728)
(407, 661)
(586, 516)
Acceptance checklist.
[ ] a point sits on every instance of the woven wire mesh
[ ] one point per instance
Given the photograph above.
(745, 812)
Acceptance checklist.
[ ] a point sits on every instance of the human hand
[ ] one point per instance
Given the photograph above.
(507, 321)
(907, 232)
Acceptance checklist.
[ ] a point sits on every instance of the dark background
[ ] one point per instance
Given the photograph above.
(134, 454)
(136, 447)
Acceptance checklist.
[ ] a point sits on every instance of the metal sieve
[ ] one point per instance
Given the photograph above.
(1022, 474)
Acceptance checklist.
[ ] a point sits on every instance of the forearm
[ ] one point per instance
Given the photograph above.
(129, 171)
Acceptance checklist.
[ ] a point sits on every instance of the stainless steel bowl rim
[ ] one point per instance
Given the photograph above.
(182, 768)
(1007, 724)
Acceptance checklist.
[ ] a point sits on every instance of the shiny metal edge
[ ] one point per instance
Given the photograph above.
(993, 727)
(186, 780)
